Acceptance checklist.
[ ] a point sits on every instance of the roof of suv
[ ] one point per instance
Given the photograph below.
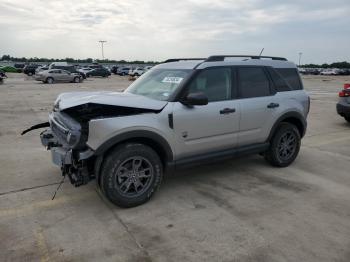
(276, 62)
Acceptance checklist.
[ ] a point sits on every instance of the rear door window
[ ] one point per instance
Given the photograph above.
(253, 82)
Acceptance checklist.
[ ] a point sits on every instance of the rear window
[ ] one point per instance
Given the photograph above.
(291, 76)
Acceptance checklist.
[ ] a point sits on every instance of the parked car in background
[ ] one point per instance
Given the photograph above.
(343, 105)
(114, 69)
(122, 71)
(84, 70)
(41, 68)
(2, 76)
(146, 68)
(19, 66)
(10, 69)
(137, 71)
(69, 68)
(57, 75)
(344, 72)
(103, 72)
(93, 66)
(309, 71)
(30, 69)
(56, 64)
(330, 71)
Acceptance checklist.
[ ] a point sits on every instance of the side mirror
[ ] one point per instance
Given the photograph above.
(195, 99)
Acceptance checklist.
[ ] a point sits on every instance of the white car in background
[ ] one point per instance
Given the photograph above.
(137, 71)
(41, 68)
(330, 72)
(84, 70)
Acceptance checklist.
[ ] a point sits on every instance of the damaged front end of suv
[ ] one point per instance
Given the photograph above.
(68, 130)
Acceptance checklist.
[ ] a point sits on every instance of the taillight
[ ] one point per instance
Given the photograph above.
(345, 93)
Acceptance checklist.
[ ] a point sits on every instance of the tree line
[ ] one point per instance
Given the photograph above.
(71, 60)
(343, 64)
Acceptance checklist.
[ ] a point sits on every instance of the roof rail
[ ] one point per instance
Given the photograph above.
(182, 59)
(217, 58)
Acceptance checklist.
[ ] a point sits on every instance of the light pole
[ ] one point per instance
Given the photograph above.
(102, 42)
(300, 54)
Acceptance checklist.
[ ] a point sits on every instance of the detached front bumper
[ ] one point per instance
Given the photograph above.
(60, 156)
(72, 163)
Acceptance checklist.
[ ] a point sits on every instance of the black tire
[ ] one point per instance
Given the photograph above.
(76, 79)
(30, 73)
(124, 179)
(49, 80)
(347, 118)
(284, 145)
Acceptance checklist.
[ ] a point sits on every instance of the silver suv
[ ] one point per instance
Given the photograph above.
(180, 113)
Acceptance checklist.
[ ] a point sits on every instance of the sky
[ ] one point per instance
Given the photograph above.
(155, 30)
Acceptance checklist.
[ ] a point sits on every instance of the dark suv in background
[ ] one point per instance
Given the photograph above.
(101, 71)
(30, 69)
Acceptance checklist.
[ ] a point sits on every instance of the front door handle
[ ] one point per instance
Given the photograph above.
(227, 111)
(273, 105)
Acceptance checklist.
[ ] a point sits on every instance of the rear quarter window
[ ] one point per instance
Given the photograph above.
(291, 76)
(280, 84)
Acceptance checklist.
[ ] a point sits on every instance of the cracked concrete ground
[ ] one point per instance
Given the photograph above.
(238, 210)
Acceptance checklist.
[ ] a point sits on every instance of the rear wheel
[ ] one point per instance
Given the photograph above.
(131, 174)
(49, 80)
(347, 118)
(284, 146)
(30, 73)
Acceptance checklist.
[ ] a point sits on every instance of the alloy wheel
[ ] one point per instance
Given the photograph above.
(287, 145)
(134, 176)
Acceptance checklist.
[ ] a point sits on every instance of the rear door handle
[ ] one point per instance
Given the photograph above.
(273, 105)
(227, 111)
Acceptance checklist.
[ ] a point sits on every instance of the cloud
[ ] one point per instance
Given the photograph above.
(159, 29)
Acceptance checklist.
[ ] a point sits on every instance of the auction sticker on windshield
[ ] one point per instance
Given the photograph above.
(172, 79)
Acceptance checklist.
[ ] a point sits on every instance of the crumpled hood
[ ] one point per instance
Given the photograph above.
(72, 99)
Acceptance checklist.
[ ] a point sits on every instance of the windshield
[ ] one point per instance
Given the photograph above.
(158, 84)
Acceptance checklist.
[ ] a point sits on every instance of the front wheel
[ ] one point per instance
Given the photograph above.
(131, 174)
(76, 80)
(347, 118)
(284, 146)
(49, 80)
